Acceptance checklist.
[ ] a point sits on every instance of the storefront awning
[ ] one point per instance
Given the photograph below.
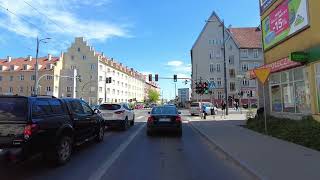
(277, 66)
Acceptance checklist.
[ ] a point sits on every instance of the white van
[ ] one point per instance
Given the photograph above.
(195, 108)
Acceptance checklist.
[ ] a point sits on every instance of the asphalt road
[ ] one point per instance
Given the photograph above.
(132, 155)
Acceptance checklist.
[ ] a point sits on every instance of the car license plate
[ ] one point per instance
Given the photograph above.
(165, 120)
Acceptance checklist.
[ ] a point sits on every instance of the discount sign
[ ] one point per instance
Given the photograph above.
(287, 19)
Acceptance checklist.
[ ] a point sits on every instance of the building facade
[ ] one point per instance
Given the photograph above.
(184, 96)
(17, 75)
(243, 52)
(93, 67)
(294, 84)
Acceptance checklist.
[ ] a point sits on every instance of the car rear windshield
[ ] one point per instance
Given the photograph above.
(164, 111)
(13, 109)
(109, 107)
(195, 105)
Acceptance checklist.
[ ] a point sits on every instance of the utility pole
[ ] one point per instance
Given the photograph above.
(35, 89)
(225, 70)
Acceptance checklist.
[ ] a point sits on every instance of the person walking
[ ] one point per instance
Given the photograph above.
(203, 110)
(237, 106)
(223, 108)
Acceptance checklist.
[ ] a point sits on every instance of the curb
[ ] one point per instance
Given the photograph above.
(237, 161)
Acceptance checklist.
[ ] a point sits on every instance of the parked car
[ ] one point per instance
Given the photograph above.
(164, 118)
(48, 125)
(117, 115)
(195, 108)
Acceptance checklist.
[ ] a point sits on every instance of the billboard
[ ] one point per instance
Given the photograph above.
(265, 4)
(288, 18)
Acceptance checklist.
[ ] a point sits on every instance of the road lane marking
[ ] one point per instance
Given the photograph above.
(140, 117)
(114, 156)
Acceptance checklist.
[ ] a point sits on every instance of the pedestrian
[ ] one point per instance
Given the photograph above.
(237, 106)
(223, 108)
(203, 110)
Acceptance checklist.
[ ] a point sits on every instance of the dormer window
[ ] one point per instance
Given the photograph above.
(25, 67)
(11, 67)
(49, 66)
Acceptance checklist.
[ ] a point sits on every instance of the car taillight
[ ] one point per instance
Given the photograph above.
(29, 130)
(119, 112)
(178, 119)
(150, 119)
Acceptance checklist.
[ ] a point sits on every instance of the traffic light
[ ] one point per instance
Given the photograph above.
(205, 88)
(150, 77)
(175, 78)
(156, 77)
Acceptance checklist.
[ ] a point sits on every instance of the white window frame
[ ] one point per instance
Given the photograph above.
(244, 53)
(255, 53)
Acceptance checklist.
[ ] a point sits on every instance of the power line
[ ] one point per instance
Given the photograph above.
(44, 15)
(25, 20)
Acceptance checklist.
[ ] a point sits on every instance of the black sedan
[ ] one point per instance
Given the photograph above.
(164, 118)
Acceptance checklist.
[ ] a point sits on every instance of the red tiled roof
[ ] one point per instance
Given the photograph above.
(43, 61)
(247, 37)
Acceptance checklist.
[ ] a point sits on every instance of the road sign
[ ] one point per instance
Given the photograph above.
(299, 56)
(212, 85)
(262, 74)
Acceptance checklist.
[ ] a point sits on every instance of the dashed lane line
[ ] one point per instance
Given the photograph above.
(97, 175)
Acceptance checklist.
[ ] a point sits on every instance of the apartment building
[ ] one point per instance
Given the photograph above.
(126, 84)
(17, 75)
(243, 51)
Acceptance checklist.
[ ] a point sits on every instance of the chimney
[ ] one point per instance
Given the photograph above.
(8, 58)
(29, 58)
(49, 57)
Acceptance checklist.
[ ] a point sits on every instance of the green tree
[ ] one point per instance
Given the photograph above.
(153, 96)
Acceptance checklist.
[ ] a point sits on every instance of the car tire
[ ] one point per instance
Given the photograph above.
(100, 134)
(132, 123)
(125, 124)
(62, 151)
(192, 114)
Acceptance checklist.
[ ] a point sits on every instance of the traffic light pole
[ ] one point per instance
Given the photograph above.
(225, 70)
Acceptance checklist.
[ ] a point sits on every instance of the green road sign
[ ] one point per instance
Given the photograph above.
(299, 56)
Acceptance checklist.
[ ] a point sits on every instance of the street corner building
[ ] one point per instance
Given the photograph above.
(291, 44)
(80, 72)
(243, 52)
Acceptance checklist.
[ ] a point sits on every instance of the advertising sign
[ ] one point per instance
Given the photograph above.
(265, 4)
(284, 21)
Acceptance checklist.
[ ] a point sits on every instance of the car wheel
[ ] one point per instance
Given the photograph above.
(63, 150)
(125, 124)
(100, 134)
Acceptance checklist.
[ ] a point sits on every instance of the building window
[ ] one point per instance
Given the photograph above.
(11, 67)
(21, 77)
(21, 89)
(292, 93)
(244, 53)
(100, 89)
(245, 82)
(69, 89)
(25, 67)
(92, 66)
(108, 90)
(100, 78)
(10, 89)
(232, 86)
(118, 92)
(73, 67)
(0, 78)
(84, 57)
(255, 53)
(101, 67)
(0, 89)
(49, 89)
(211, 68)
(72, 57)
(211, 54)
(220, 95)
(231, 59)
(49, 77)
(232, 73)
(218, 67)
(113, 91)
(219, 82)
(78, 49)
(244, 67)
(11, 78)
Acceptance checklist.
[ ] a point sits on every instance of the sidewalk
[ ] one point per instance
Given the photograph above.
(264, 156)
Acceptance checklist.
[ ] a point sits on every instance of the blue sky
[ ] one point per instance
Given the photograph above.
(148, 35)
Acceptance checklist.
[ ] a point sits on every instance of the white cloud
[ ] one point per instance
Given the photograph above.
(175, 63)
(62, 13)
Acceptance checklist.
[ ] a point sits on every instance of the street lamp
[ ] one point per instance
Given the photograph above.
(224, 64)
(36, 65)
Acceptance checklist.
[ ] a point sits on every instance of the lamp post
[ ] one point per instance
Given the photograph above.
(36, 71)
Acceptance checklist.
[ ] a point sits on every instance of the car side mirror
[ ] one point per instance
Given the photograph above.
(179, 112)
(96, 111)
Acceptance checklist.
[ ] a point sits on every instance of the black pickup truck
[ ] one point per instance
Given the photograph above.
(47, 125)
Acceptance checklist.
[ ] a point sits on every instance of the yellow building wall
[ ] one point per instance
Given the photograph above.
(304, 40)
(299, 42)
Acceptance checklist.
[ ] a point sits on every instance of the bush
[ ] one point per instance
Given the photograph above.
(305, 132)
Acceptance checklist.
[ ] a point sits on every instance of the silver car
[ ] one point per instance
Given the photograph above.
(117, 115)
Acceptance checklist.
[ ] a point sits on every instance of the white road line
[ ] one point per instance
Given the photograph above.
(114, 156)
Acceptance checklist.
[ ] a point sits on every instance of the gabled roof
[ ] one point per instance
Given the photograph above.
(43, 61)
(249, 37)
(214, 14)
